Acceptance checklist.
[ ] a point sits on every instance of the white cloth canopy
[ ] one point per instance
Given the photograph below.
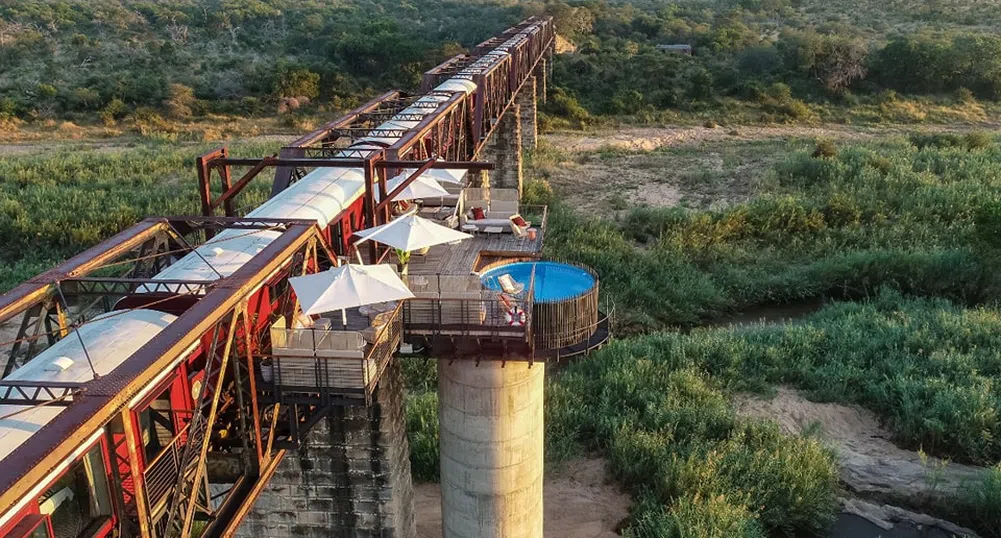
(348, 286)
(447, 175)
(410, 232)
(422, 187)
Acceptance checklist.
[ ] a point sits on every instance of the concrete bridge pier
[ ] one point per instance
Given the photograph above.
(526, 101)
(503, 148)
(491, 430)
(351, 478)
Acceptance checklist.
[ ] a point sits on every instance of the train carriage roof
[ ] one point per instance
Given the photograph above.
(109, 339)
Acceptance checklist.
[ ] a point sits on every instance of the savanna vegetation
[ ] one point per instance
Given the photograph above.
(153, 67)
(912, 213)
(906, 227)
(57, 203)
(903, 230)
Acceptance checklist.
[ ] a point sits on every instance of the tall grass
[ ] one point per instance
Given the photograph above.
(983, 501)
(927, 367)
(56, 204)
(874, 215)
(672, 435)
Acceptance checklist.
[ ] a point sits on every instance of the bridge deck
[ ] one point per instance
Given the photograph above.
(467, 256)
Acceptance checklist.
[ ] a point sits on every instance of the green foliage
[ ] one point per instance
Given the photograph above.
(538, 192)
(844, 226)
(930, 63)
(778, 103)
(420, 374)
(422, 434)
(134, 50)
(57, 203)
(114, 111)
(826, 149)
(561, 104)
(696, 517)
(970, 141)
(984, 499)
(669, 430)
(658, 406)
(179, 101)
(298, 82)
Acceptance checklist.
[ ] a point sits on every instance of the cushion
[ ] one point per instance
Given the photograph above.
(519, 221)
(478, 213)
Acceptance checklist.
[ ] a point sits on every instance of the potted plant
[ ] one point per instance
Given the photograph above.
(403, 258)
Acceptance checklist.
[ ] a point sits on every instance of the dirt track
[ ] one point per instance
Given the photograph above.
(580, 502)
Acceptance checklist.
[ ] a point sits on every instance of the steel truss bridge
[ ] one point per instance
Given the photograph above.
(227, 317)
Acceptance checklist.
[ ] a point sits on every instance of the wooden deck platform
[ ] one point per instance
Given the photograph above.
(463, 258)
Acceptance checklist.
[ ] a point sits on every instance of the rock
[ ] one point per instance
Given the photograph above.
(887, 517)
(871, 464)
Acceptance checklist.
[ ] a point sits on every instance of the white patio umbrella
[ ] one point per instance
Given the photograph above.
(446, 175)
(422, 187)
(348, 286)
(410, 232)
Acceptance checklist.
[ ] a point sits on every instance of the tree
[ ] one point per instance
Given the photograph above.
(840, 62)
(179, 101)
(298, 82)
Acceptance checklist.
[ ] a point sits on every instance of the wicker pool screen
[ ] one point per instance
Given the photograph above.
(561, 323)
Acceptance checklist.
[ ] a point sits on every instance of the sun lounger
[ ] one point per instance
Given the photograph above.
(509, 285)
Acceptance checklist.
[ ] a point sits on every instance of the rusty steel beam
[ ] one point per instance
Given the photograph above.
(42, 286)
(233, 190)
(106, 396)
(438, 165)
(321, 132)
(231, 514)
(333, 162)
(283, 174)
(404, 144)
(203, 165)
(386, 199)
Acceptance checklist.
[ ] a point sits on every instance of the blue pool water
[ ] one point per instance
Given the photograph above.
(553, 280)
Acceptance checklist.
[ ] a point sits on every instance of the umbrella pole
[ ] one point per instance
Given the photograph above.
(344, 318)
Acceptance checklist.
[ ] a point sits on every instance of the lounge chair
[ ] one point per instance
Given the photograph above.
(509, 286)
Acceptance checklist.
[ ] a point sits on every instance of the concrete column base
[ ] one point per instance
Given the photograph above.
(491, 429)
(527, 104)
(503, 148)
(351, 478)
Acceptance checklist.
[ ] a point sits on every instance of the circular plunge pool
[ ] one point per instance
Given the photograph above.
(565, 300)
(554, 281)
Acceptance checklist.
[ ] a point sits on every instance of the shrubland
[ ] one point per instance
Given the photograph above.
(150, 66)
(838, 222)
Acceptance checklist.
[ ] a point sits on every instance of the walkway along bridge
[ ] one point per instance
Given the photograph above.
(164, 384)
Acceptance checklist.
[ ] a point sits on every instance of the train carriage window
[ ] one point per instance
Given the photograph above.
(80, 500)
(33, 526)
(156, 423)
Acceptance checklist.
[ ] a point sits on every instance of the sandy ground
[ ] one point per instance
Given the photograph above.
(651, 138)
(580, 502)
(609, 172)
(870, 463)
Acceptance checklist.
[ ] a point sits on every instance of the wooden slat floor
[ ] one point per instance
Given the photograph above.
(460, 258)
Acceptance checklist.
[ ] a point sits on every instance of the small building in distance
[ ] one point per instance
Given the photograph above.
(677, 49)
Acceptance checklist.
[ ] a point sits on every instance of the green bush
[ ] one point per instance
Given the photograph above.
(869, 217)
(984, 499)
(114, 111)
(422, 434)
(669, 430)
(696, 517)
(825, 149)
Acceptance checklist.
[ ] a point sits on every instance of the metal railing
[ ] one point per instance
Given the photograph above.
(460, 306)
(331, 363)
(160, 474)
